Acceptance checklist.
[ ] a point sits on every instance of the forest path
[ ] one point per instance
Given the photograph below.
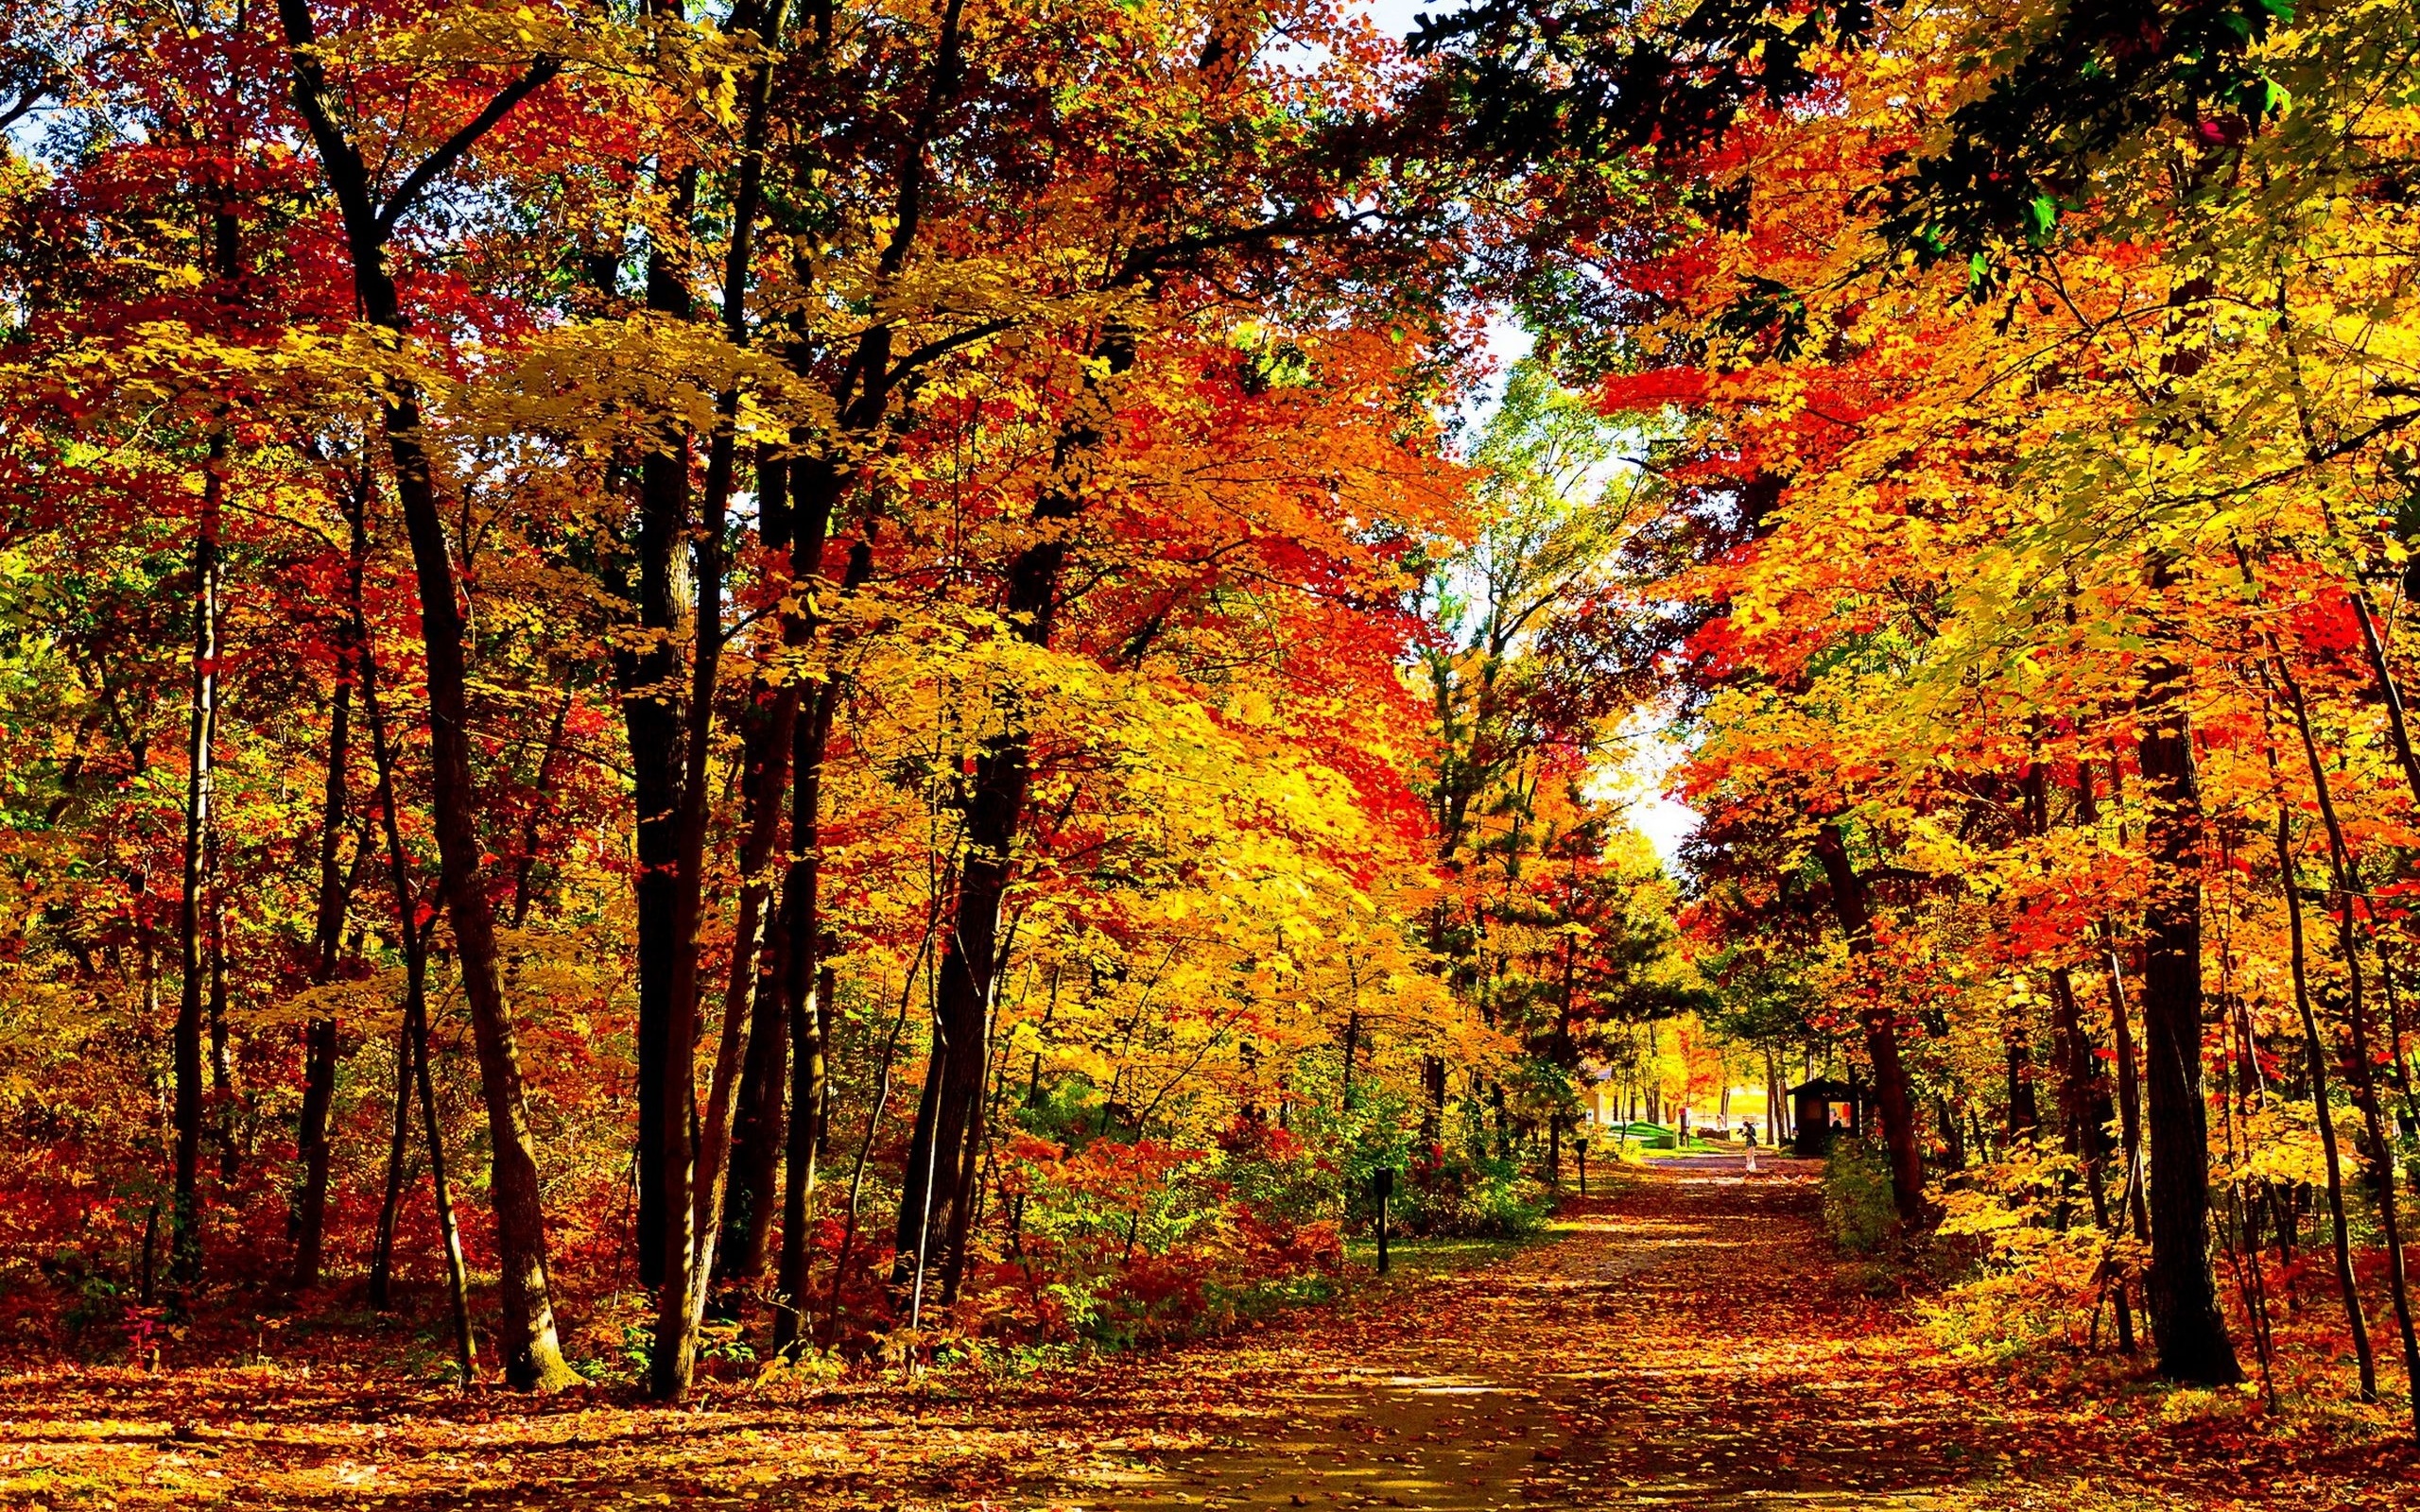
(1687, 1341)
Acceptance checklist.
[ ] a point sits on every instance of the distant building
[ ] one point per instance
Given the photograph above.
(1821, 1107)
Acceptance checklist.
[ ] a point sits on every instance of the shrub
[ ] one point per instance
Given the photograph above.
(1114, 1243)
(1469, 1196)
(1857, 1197)
(2024, 1269)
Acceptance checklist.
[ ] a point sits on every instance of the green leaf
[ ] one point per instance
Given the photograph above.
(2043, 215)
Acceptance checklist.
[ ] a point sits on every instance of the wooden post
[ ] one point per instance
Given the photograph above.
(1382, 1182)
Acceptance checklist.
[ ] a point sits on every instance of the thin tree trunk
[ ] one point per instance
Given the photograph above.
(2083, 1114)
(806, 993)
(2130, 1095)
(2315, 1055)
(223, 1066)
(1881, 1033)
(2365, 1092)
(865, 1146)
(649, 679)
(525, 864)
(458, 1285)
(184, 1222)
(1351, 1053)
(184, 1226)
(2365, 1097)
(694, 1177)
(766, 764)
(412, 1052)
(320, 1034)
(532, 1354)
(2399, 725)
(995, 808)
(382, 1248)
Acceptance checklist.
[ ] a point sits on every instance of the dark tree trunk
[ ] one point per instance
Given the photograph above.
(1432, 1105)
(2315, 1058)
(949, 1111)
(1891, 1092)
(756, 979)
(694, 1177)
(390, 1207)
(2024, 1110)
(806, 999)
(320, 1034)
(2187, 1327)
(533, 1356)
(184, 1225)
(411, 1049)
(2381, 1153)
(185, 1218)
(223, 1066)
(525, 864)
(2362, 1065)
(759, 1125)
(649, 677)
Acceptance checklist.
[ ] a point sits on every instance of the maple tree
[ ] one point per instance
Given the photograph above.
(2047, 472)
(764, 689)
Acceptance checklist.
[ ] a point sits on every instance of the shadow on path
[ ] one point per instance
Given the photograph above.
(1688, 1340)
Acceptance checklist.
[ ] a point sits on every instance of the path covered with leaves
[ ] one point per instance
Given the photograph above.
(1690, 1341)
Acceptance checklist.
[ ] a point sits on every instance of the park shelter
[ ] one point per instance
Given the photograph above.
(1813, 1106)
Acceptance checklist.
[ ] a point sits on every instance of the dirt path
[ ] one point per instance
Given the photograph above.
(1688, 1342)
(1693, 1341)
(1674, 1346)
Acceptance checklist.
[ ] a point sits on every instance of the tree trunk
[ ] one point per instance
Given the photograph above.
(184, 1221)
(759, 1125)
(2315, 1058)
(2024, 1110)
(525, 864)
(806, 993)
(184, 1225)
(994, 807)
(1433, 1103)
(449, 1233)
(2365, 1075)
(693, 1180)
(2365, 1097)
(533, 1356)
(756, 978)
(650, 678)
(1351, 1053)
(222, 1067)
(390, 1207)
(413, 1073)
(674, 1075)
(1891, 1091)
(2187, 1327)
(320, 1034)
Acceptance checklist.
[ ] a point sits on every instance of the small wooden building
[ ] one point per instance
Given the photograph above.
(1818, 1108)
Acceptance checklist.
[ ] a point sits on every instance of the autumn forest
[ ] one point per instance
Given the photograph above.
(1124, 754)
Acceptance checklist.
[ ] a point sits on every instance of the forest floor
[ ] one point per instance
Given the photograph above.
(1689, 1341)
